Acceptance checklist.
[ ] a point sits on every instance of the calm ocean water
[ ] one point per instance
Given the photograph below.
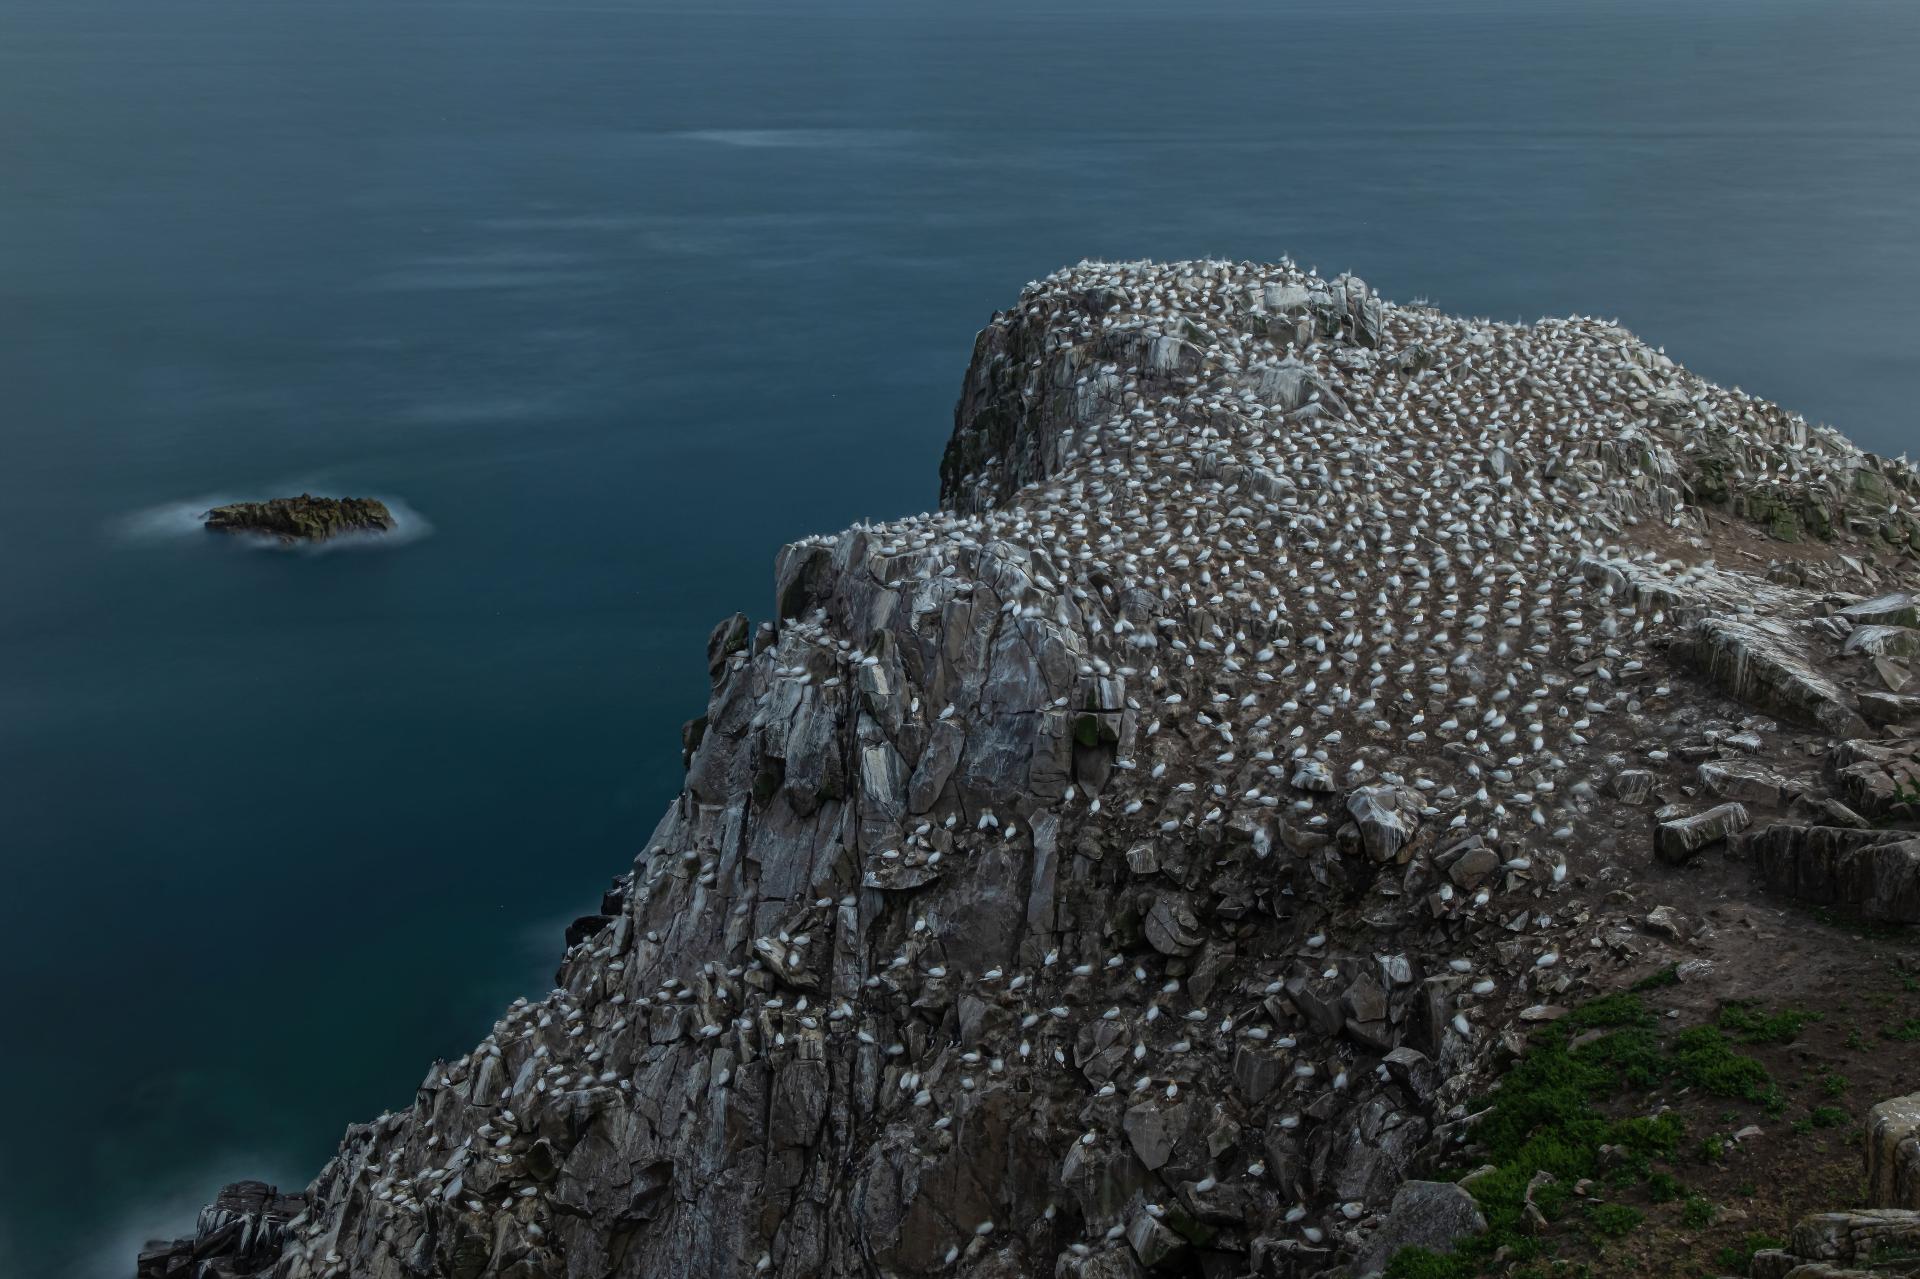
(615, 298)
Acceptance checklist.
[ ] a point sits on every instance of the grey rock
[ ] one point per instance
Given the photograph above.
(1679, 840)
(1766, 664)
(1664, 921)
(1884, 641)
(1312, 775)
(1154, 1130)
(1901, 608)
(1893, 1153)
(1632, 785)
(243, 1229)
(1424, 1214)
(1153, 1242)
(1386, 816)
(1172, 926)
(1412, 1068)
(1873, 872)
(1749, 782)
(1889, 708)
(1472, 867)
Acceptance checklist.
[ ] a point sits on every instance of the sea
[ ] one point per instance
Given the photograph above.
(610, 299)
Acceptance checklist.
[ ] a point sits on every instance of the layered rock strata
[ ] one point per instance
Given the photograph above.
(1135, 865)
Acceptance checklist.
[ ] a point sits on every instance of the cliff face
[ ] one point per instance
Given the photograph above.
(1137, 863)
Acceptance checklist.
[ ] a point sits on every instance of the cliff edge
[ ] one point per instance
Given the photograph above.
(1144, 863)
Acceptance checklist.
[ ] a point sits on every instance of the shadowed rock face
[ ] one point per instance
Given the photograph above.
(1136, 864)
(302, 519)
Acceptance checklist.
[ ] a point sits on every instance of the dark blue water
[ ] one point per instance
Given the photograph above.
(617, 297)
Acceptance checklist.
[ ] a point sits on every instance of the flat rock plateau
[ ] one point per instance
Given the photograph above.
(1147, 862)
(302, 519)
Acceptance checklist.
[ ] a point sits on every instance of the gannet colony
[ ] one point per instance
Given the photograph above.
(1136, 865)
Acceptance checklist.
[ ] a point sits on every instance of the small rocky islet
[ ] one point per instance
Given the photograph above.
(1147, 863)
(306, 518)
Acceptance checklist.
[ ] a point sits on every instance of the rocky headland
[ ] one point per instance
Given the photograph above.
(302, 519)
(1318, 751)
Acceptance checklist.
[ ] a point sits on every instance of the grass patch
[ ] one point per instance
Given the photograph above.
(1750, 1026)
(1704, 1059)
(1615, 1221)
(1739, 1260)
(1668, 976)
(1828, 1117)
(1547, 1115)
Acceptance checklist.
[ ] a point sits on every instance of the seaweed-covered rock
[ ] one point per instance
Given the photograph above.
(302, 519)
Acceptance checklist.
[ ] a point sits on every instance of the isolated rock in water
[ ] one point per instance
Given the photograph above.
(1137, 860)
(303, 519)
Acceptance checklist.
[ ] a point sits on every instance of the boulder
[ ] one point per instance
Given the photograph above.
(1154, 1130)
(1424, 1214)
(1884, 641)
(1873, 872)
(1893, 1153)
(1744, 780)
(1312, 775)
(1386, 816)
(1632, 785)
(1678, 841)
(1765, 664)
(1901, 608)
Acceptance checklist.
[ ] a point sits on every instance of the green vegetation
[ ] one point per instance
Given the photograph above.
(1834, 1085)
(1419, 1263)
(1547, 1116)
(1739, 1260)
(1753, 1027)
(1668, 976)
(1828, 1117)
(1703, 1059)
(1614, 1220)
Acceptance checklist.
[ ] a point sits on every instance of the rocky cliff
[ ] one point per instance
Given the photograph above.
(1138, 864)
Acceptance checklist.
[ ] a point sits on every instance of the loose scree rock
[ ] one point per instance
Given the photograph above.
(1134, 865)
